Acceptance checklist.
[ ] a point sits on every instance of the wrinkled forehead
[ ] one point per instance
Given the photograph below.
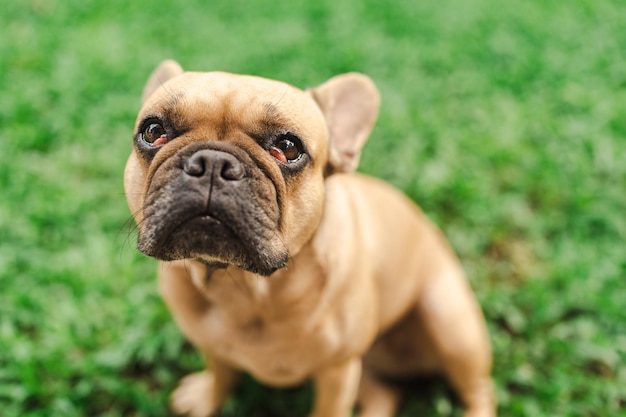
(235, 102)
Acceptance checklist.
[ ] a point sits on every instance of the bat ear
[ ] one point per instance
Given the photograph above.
(350, 105)
(166, 70)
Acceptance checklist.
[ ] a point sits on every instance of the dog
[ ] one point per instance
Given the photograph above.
(278, 260)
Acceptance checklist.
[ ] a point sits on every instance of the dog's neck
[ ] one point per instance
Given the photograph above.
(290, 293)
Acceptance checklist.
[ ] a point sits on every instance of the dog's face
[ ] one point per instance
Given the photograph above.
(230, 169)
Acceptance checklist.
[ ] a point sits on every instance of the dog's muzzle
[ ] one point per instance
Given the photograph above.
(213, 202)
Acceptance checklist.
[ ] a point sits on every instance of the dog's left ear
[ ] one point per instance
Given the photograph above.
(350, 104)
(166, 70)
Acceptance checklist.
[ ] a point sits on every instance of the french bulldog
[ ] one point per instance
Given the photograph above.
(278, 260)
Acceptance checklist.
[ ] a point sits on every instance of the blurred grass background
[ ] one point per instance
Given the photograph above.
(505, 121)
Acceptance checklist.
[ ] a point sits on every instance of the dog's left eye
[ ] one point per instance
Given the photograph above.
(286, 149)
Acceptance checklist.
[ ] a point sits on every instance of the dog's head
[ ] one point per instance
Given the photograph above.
(230, 169)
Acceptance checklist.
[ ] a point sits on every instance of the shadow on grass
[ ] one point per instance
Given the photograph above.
(424, 396)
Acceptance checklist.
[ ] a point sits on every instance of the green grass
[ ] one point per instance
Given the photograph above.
(505, 121)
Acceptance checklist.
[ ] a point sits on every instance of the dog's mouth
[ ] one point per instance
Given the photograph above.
(220, 220)
(217, 243)
(203, 220)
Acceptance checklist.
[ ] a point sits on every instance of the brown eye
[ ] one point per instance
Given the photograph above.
(286, 149)
(155, 134)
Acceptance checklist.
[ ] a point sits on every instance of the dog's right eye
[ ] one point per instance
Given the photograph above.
(155, 134)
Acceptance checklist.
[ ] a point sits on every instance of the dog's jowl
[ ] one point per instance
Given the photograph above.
(280, 261)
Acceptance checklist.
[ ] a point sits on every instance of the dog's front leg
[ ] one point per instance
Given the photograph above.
(202, 394)
(336, 389)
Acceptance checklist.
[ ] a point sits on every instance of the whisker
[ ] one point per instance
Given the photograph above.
(282, 241)
(282, 96)
(242, 288)
(132, 226)
(162, 82)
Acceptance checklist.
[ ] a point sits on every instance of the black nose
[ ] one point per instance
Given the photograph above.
(216, 164)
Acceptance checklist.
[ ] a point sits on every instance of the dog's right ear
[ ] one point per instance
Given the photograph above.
(166, 70)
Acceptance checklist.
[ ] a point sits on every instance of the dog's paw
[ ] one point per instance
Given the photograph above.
(194, 396)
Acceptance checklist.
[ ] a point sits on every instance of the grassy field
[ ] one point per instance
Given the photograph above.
(505, 121)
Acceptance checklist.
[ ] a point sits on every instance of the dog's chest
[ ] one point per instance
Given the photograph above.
(279, 353)
(278, 338)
